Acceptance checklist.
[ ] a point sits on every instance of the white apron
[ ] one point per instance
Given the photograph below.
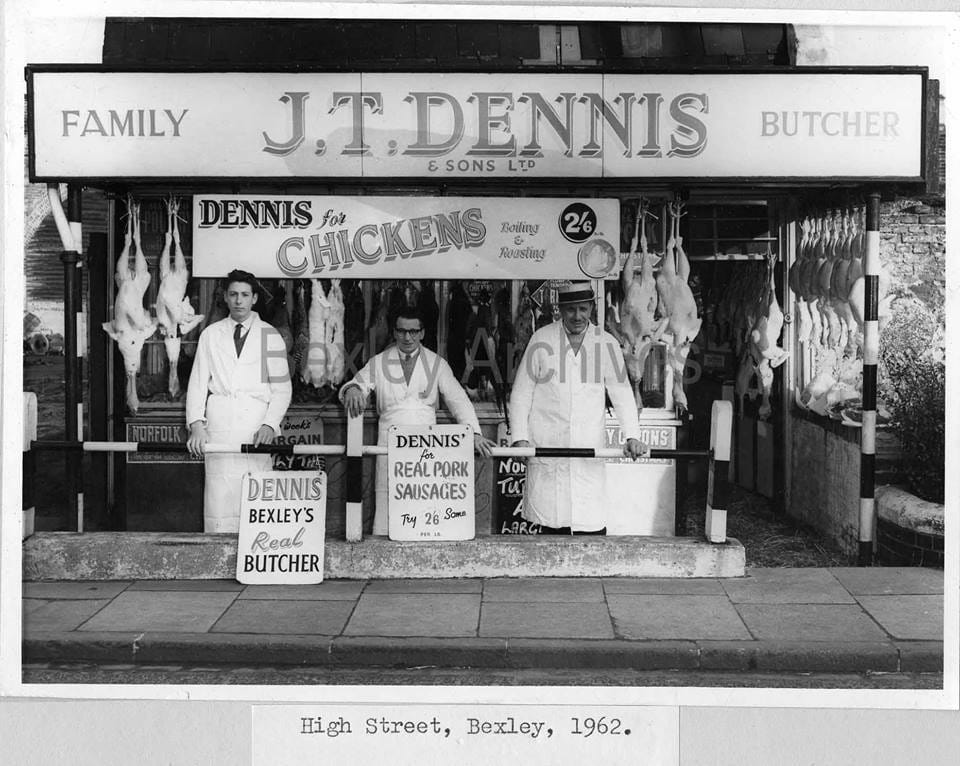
(558, 401)
(408, 404)
(230, 419)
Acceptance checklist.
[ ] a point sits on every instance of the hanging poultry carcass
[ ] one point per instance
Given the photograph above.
(505, 338)
(481, 383)
(834, 330)
(335, 335)
(430, 310)
(131, 324)
(807, 283)
(764, 338)
(353, 323)
(804, 322)
(315, 370)
(459, 314)
(638, 325)
(677, 305)
(380, 324)
(524, 323)
(838, 288)
(301, 335)
(175, 314)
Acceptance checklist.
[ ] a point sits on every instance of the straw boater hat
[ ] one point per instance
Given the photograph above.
(575, 292)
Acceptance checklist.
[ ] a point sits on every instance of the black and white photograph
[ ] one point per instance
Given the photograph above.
(535, 377)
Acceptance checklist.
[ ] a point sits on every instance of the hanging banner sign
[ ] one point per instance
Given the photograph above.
(282, 528)
(431, 491)
(376, 237)
(109, 125)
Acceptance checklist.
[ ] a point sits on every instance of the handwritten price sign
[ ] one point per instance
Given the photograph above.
(282, 528)
(431, 483)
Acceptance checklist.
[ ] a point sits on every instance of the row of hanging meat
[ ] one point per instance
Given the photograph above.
(132, 323)
(324, 323)
(659, 308)
(827, 280)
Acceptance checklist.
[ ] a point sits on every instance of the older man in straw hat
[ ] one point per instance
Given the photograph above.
(558, 401)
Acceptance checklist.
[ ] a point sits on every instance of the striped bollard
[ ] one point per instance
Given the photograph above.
(29, 462)
(871, 354)
(718, 483)
(354, 489)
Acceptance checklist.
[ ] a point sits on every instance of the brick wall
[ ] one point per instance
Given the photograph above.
(913, 250)
(825, 465)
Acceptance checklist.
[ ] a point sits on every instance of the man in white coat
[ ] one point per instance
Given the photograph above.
(558, 401)
(408, 380)
(239, 391)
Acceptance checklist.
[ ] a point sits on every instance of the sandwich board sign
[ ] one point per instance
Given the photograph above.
(282, 528)
(430, 484)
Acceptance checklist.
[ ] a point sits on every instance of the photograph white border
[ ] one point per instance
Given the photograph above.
(20, 16)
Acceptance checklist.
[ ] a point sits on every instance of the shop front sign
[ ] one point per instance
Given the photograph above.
(163, 430)
(374, 237)
(282, 528)
(431, 483)
(852, 123)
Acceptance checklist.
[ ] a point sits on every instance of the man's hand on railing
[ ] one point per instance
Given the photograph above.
(264, 435)
(634, 449)
(482, 445)
(354, 401)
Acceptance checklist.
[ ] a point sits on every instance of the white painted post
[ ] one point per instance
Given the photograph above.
(354, 489)
(721, 430)
(29, 462)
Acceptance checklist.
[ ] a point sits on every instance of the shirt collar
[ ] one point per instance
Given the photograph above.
(246, 324)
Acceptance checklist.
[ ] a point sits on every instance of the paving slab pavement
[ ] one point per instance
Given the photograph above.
(684, 617)
(415, 614)
(787, 586)
(771, 621)
(914, 617)
(325, 618)
(882, 581)
(534, 619)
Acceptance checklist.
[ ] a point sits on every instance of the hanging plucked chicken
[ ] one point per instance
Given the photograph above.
(639, 327)
(764, 338)
(677, 304)
(335, 335)
(175, 313)
(131, 324)
(315, 371)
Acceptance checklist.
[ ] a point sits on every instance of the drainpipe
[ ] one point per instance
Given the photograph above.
(871, 354)
(69, 228)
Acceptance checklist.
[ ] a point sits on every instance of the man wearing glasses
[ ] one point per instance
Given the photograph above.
(408, 380)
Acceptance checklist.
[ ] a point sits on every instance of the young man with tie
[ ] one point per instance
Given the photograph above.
(239, 391)
(408, 380)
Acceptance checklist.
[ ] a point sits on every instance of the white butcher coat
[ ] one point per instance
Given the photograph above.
(413, 404)
(558, 401)
(235, 396)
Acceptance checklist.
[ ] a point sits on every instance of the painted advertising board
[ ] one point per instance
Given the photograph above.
(431, 483)
(282, 528)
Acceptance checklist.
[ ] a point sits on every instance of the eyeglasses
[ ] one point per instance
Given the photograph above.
(409, 333)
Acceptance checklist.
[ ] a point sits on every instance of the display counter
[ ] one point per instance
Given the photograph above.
(164, 491)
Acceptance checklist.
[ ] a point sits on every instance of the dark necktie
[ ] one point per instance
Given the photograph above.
(238, 339)
(406, 364)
